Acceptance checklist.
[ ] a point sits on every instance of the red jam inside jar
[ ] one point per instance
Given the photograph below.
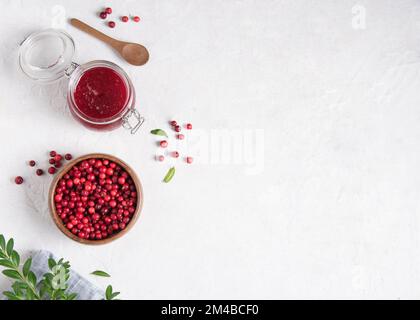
(100, 93)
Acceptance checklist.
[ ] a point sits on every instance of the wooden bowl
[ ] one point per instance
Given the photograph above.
(65, 169)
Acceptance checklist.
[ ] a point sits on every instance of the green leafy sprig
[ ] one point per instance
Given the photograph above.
(54, 284)
(25, 284)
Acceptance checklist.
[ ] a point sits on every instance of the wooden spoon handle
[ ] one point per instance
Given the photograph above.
(93, 32)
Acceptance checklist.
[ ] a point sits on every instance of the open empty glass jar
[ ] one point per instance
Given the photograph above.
(100, 94)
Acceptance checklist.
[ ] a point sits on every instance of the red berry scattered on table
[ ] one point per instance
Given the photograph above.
(189, 126)
(58, 158)
(163, 143)
(178, 128)
(190, 160)
(180, 136)
(124, 19)
(175, 154)
(68, 156)
(108, 10)
(32, 163)
(103, 15)
(173, 123)
(39, 172)
(53, 154)
(18, 180)
(111, 24)
(51, 170)
(136, 19)
(51, 161)
(161, 158)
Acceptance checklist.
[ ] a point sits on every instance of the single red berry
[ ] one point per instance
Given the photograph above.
(161, 158)
(18, 180)
(121, 180)
(111, 24)
(112, 203)
(51, 170)
(175, 154)
(163, 143)
(189, 126)
(68, 156)
(58, 158)
(136, 19)
(108, 10)
(180, 136)
(103, 15)
(124, 19)
(58, 164)
(190, 160)
(39, 172)
(177, 128)
(53, 154)
(51, 161)
(32, 163)
(173, 123)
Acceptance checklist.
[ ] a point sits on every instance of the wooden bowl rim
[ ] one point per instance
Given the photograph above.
(57, 220)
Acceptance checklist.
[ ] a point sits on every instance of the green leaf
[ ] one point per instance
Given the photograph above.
(10, 295)
(6, 263)
(108, 293)
(159, 132)
(71, 296)
(15, 258)
(27, 267)
(9, 247)
(169, 175)
(30, 295)
(19, 286)
(100, 273)
(2, 242)
(18, 290)
(48, 277)
(51, 263)
(43, 289)
(32, 278)
(115, 294)
(12, 274)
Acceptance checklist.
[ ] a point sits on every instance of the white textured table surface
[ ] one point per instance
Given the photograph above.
(324, 98)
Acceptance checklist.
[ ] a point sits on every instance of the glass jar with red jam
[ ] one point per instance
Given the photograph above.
(100, 94)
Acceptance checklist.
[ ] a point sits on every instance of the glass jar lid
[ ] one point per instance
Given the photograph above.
(44, 56)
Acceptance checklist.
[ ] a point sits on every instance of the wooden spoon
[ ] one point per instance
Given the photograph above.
(133, 53)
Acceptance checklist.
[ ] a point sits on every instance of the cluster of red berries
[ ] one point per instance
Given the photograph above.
(55, 160)
(104, 14)
(95, 199)
(164, 143)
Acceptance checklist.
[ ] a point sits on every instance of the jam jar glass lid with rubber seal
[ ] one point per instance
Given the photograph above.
(47, 56)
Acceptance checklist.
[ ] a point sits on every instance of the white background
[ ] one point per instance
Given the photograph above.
(335, 211)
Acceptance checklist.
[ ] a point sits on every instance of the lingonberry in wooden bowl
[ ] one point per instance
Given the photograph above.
(95, 199)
